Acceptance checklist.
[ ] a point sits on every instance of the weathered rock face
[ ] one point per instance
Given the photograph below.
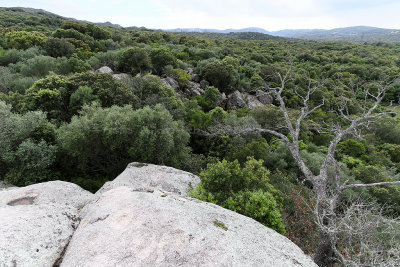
(171, 82)
(57, 192)
(38, 221)
(263, 97)
(129, 228)
(122, 76)
(194, 89)
(196, 78)
(105, 69)
(236, 100)
(189, 71)
(142, 218)
(149, 177)
(252, 102)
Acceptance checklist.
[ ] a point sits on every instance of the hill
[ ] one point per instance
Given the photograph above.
(357, 34)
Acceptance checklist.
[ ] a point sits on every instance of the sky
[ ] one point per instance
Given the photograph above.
(223, 14)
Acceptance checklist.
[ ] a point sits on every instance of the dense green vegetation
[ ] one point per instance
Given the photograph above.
(58, 120)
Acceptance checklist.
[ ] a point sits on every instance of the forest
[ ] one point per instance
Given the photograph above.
(165, 102)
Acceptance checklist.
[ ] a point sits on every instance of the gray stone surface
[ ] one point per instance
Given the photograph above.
(252, 102)
(236, 100)
(189, 71)
(122, 76)
(148, 177)
(204, 84)
(54, 192)
(194, 89)
(263, 97)
(196, 78)
(37, 222)
(129, 228)
(105, 69)
(171, 82)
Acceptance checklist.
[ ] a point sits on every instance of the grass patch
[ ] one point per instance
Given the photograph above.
(220, 225)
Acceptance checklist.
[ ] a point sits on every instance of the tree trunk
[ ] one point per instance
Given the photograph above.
(324, 256)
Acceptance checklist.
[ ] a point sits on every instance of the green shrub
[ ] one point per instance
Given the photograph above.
(246, 190)
(181, 76)
(161, 57)
(23, 160)
(24, 39)
(56, 47)
(102, 141)
(134, 60)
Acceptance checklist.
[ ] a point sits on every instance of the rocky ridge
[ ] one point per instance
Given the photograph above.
(196, 86)
(142, 218)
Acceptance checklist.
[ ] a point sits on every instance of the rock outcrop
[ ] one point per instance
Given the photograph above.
(142, 218)
(148, 177)
(171, 82)
(38, 221)
(104, 69)
(194, 89)
(129, 228)
(236, 100)
(263, 97)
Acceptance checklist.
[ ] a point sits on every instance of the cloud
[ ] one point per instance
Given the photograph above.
(222, 14)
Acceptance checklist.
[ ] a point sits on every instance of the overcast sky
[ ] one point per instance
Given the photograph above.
(223, 14)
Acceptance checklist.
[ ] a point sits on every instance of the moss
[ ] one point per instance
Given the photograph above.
(139, 165)
(220, 225)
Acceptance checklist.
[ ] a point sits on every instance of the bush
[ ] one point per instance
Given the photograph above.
(52, 94)
(24, 39)
(14, 56)
(23, 160)
(39, 66)
(135, 59)
(181, 76)
(222, 73)
(151, 91)
(109, 58)
(56, 47)
(101, 141)
(245, 190)
(161, 57)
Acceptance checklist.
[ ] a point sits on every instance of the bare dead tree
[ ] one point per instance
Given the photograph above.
(327, 184)
(367, 237)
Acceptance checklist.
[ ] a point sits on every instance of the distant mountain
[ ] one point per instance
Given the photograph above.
(236, 35)
(357, 34)
(10, 16)
(250, 29)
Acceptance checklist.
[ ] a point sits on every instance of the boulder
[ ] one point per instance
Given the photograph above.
(38, 221)
(252, 102)
(129, 228)
(122, 76)
(223, 100)
(171, 82)
(189, 71)
(104, 69)
(149, 177)
(236, 100)
(204, 84)
(263, 97)
(196, 78)
(194, 89)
